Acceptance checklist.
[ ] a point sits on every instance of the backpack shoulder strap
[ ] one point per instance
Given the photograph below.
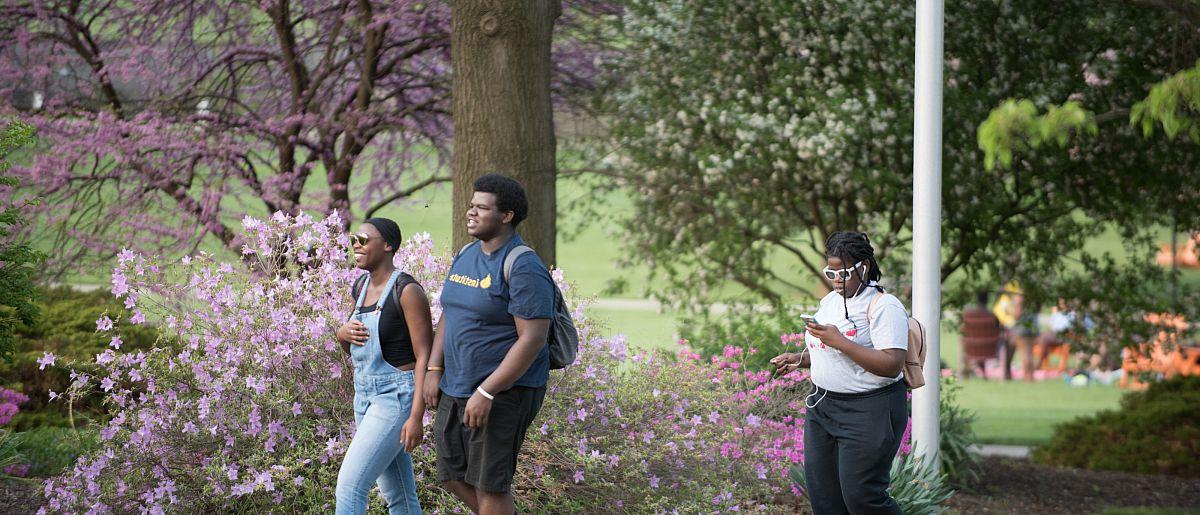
(871, 306)
(403, 281)
(357, 287)
(511, 258)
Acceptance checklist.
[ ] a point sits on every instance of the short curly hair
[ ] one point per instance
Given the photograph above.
(510, 195)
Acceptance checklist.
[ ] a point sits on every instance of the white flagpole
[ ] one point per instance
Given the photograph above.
(927, 220)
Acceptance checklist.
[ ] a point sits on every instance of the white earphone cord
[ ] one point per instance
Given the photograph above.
(815, 387)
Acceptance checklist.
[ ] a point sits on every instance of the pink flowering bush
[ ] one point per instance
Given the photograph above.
(245, 403)
(10, 458)
(10, 402)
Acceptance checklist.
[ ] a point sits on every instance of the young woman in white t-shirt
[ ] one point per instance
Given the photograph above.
(857, 411)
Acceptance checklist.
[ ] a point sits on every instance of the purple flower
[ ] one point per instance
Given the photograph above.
(120, 285)
(104, 323)
(753, 420)
(578, 476)
(47, 359)
(17, 470)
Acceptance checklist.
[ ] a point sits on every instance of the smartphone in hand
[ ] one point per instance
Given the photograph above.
(810, 320)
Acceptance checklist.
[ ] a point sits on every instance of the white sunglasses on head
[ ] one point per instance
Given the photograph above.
(843, 273)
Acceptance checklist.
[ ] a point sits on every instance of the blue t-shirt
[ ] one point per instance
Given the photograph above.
(479, 307)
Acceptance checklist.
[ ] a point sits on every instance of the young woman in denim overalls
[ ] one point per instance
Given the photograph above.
(388, 343)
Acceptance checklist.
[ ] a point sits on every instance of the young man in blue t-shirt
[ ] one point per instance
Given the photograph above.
(489, 353)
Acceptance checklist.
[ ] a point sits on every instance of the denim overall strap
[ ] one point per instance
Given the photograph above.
(368, 358)
(362, 295)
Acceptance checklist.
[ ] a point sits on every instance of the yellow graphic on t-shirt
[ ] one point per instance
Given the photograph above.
(484, 283)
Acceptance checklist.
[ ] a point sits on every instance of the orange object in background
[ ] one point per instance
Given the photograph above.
(1185, 257)
(1154, 357)
(1047, 346)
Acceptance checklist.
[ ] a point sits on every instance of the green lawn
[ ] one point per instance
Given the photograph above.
(644, 329)
(1022, 413)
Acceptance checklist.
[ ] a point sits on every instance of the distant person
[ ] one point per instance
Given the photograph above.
(1020, 326)
(1061, 322)
(857, 411)
(388, 338)
(983, 339)
(490, 358)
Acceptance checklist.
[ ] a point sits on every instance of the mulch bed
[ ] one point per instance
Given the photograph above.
(1017, 486)
(19, 497)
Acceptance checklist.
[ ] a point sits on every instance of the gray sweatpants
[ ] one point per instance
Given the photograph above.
(849, 443)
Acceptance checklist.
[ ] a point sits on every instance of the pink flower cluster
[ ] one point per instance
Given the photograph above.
(10, 404)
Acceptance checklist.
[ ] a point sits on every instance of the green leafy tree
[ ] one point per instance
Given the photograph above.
(1158, 114)
(17, 260)
(749, 131)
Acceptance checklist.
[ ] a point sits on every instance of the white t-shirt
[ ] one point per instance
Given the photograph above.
(833, 370)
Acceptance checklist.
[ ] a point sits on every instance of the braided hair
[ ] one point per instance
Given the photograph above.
(850, 248)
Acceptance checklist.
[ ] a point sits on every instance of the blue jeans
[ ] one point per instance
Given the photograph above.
(381, 406)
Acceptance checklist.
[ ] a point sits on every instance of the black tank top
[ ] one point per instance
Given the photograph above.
(394, 339)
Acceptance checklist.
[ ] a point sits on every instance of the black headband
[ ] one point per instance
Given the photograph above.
(389, 230)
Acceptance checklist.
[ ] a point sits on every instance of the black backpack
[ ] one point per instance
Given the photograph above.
(563, 338)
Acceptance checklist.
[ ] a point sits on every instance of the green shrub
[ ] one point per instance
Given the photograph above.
(754, 331)
(959, 464)
(66, 328)
(18, 261)
(916, 488)
(9, 454)
(1155, 431)
(50, 450)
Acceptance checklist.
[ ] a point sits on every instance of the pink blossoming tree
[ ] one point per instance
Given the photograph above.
(170, 120)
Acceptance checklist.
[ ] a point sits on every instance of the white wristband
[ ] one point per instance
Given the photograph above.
(484, 393)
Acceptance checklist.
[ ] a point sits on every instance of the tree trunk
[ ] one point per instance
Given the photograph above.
(503, 119)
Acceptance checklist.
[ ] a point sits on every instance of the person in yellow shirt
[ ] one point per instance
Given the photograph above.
(1019, 326)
